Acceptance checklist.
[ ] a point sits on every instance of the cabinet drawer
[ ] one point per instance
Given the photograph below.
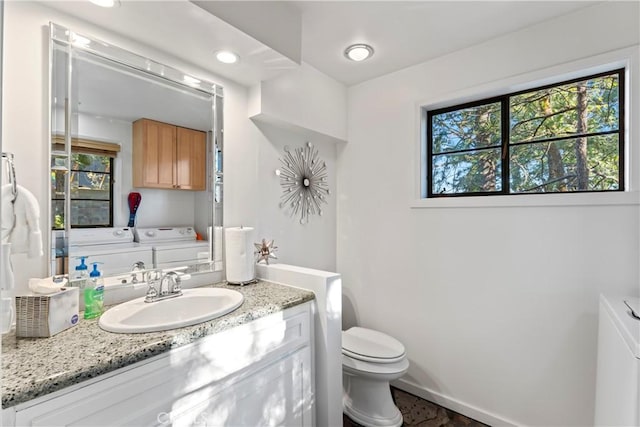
(146, 389)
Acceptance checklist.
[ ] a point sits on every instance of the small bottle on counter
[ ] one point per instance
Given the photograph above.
(94, 294)
(82, 274)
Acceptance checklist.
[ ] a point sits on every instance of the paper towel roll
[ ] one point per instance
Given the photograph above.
(238, 253)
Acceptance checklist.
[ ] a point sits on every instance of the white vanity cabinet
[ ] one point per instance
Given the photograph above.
(256, 374)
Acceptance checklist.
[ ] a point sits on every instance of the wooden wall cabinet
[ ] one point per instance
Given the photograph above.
(168, 156)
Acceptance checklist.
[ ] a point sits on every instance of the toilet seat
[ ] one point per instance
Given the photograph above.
(371, 346)
(370, 360)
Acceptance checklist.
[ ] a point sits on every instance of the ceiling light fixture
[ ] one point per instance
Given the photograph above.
(106, 3)
(358, 52)
(227, 57)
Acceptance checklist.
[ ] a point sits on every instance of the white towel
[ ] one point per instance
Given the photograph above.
(6, 269)
(25, 236)
(7, 220)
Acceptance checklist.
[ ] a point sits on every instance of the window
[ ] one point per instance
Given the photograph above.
(90, 183)
(566, 137)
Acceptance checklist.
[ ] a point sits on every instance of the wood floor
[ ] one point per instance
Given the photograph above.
(422, 413)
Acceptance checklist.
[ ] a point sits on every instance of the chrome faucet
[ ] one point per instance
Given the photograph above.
(137, 266)
(172, 290)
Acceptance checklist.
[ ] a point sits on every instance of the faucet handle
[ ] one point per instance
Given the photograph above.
(138, 265)
(152, 293)
(174, 282)
(176, 285)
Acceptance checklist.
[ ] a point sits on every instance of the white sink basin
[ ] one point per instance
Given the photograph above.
(192, 307)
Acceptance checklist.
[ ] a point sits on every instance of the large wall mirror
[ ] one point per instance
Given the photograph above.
(132, 136)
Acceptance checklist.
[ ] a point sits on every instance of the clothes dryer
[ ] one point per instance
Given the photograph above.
(173, 246)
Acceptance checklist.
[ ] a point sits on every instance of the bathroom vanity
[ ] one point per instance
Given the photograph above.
(253, 366)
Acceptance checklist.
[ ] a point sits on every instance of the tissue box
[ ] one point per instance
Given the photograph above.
(46, 315)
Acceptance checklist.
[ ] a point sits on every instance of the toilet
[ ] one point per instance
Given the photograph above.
(370, 359)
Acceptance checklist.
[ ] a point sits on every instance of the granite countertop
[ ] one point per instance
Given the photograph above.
(33, 367)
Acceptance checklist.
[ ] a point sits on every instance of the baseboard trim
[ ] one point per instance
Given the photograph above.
(453, 404)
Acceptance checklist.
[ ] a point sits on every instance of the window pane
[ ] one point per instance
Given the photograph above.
(90, 185)
(469, 172)
(89, 213)
(553, 166)
(90, 162)
(57, 214)
(587, 106)
(83, 213)
(467, 128)
(57, 184)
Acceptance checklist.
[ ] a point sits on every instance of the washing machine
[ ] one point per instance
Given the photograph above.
(114, 247)
(173, 246)
(618, 368)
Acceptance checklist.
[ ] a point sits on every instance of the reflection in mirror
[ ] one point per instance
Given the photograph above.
(136, 162)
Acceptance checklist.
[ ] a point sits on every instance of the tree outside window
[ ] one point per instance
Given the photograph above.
(91, 188)
(560, 138)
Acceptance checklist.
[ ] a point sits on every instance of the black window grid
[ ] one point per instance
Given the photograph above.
(504, 101)
(110, 199)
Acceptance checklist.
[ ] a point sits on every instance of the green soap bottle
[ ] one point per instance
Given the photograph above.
(94, 294)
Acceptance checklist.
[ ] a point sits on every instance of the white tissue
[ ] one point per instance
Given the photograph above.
(46, 286)
(238, 251)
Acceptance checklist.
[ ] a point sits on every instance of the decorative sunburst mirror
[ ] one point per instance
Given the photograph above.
(303, 178)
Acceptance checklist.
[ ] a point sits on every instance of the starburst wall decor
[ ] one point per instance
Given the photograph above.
(303, 178)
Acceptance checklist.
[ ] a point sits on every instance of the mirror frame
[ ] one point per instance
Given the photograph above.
(61, 35)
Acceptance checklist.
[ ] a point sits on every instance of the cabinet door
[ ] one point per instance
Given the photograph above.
(154, 154)
(278, 395)
(191, 159)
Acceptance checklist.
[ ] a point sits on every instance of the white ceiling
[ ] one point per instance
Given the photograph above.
(402, 33)
(405, 33)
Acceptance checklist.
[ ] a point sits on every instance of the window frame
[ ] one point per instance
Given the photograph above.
(111, 192)
(506, 145)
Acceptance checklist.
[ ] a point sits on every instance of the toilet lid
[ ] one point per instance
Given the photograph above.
(372, 346)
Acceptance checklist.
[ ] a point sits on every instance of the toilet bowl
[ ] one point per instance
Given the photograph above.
(370, 359)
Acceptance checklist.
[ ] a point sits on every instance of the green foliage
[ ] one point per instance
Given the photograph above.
(58, 222)
(551, 143)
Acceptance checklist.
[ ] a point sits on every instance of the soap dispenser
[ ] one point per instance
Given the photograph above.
(82, 273)
(94, 294)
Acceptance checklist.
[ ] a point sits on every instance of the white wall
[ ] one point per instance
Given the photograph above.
(497, 306)
(25, 133)
(304, 99)
(311, 245)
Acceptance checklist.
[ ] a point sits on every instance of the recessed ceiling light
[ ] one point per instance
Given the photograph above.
(358, 52)
(227, 57)
(106, 3)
